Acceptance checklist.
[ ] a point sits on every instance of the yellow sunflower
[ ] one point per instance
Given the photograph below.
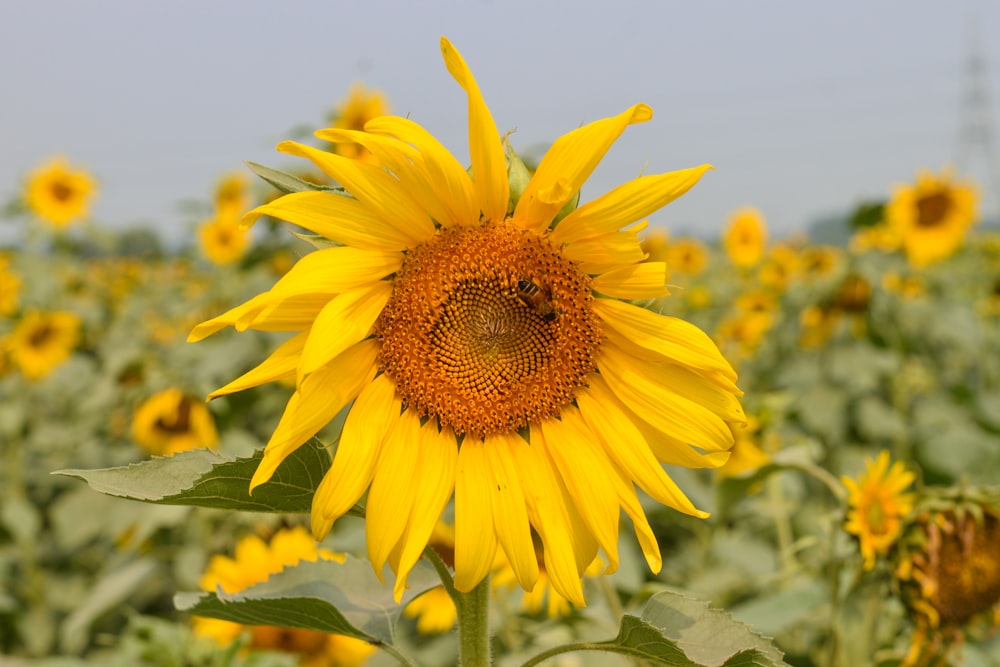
(877, 505)
(170, 421)
(360, 106)
(232, 196)
(687, 256)
(10, 287)
(745, 237)
(464, 326)
(932, 216)
(58, 194)
(223, 240)
(254, 562)
(41, 341)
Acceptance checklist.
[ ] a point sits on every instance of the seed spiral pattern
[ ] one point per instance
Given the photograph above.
(468, 345)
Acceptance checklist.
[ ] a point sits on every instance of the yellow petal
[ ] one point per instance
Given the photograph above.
(626, 204)
(643, 532)
(624, 443)
(317, 401)
(390, 499)
(580, 462)
(372, 415)
(339, 218)
(226, 319)
(567, 165)
(475, 536)
(658, 406)
(344, 321)
(489, 164)
(280, 364)
(435, 475)
(372, 186)
(550, 517)
(448, 177)
(609, 252)
(510, 514)
(646, 280)
(677, 340)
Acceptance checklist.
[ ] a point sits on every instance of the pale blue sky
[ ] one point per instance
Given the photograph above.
(805, 108)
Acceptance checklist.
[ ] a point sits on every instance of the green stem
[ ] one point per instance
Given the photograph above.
(473, 615)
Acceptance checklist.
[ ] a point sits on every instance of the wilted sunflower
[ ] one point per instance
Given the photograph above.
(254, 562)
(877, 505)
(745, 237)
(41, 341)
(170, 421)
(58, 194)
(932, 216)
(465, 322)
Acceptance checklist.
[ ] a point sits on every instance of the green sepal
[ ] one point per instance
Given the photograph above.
(205, 478)
(518, 175)
(677, 630)
(326, 596)
(316, 241)
(287, 183)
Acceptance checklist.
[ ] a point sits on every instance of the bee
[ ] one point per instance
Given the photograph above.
(536, 298)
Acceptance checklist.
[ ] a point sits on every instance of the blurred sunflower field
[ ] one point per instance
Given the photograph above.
(855, 519)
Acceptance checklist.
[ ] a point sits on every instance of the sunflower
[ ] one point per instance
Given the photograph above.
(41, 341)
(745, 237)
(223, 240)
(10, 287)
(170, 421)
(254, 562)
(360, 106)
(232, 197)
(932, 216)
(58, 194)
(464, 324)
(687, 256)
(877, 505)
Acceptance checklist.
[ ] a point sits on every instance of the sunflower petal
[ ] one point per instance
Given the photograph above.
(489, 164)
(643, 532)
(581, 465)
(609, 252)
(475, 536)
(510, 514)
(339, 218)
(317, 401)
(279, 365)
(632, 201)
(374, 412)
(646, 280)
(344, 321)
(567, 165)
(372, 186)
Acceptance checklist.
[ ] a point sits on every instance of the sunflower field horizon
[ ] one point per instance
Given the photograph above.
(391, 404)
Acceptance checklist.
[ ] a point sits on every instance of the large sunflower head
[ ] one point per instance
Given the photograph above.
(40, 341)
(58, 194)
(877, 505)
(253, 562)
(486, 350)
(932, 216)
(171, 421)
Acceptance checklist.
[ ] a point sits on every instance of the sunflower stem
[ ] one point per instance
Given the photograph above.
(474, 625)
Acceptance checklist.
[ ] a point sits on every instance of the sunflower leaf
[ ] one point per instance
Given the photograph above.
(287, 183)
(343, 598)
(681, 631)
(208, 479)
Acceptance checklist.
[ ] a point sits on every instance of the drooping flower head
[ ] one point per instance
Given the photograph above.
(171, 421)
(932, 216)
(253, 562)
(745, 237)
(877, 505)
(41, 341)
(58, 194)
(485, 349)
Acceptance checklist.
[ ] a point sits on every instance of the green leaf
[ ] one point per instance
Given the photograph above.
(286, 182)
(316, 241)
(343, 598)
(208, 479)
(684, 632)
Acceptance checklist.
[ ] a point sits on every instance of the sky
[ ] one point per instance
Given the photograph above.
(804, 108)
